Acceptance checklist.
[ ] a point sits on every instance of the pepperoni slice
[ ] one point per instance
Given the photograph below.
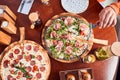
(42, 69)
(11, 55)
(36, 48)
(23, 52)
(18, 77)
(28, 58)
(9, 77)
(19, 57)
(13, 79)
(28, 69)
(38, 75)
(28, 47)
(15, 61)
(16, 51)
(32, 62)
(5, 64)
(39, 57)
(19, 73)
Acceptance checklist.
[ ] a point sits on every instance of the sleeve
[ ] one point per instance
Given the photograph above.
(116, 7)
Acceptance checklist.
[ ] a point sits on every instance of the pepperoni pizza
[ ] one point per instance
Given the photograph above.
(25, 61)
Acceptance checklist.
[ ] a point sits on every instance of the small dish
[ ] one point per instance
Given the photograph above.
(89, 58)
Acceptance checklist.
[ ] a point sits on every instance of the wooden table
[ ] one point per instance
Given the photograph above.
(102, 70)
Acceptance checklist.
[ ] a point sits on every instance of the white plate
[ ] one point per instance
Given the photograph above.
(75, 6)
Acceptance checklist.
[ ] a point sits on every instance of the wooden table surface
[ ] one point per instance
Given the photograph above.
(102, 70)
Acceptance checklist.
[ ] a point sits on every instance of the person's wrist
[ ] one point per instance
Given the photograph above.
(114, 9)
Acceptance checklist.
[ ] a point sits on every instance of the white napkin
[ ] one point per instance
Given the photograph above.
(26, 7)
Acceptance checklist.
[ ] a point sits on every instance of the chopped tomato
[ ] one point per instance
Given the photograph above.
(12, 71)
(35, 68)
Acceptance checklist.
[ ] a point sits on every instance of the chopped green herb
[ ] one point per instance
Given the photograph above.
(15, 72)
(67, 57)
(75, 49)
(22, 69)
(33, 56)
(62, 23)
(53, 49)
(28, 76)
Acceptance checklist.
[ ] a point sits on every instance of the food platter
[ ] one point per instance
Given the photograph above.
(67, 37)
(24, 59)
(77, 74)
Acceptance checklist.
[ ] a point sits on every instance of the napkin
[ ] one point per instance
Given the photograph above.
(25, 6)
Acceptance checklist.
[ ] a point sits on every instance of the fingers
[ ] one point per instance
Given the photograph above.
(107, 17)
(111, 21)
(102, 17)
(106, 20)
(114, 22)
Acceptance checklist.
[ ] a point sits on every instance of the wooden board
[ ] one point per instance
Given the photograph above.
(6, 8)
(4, 38)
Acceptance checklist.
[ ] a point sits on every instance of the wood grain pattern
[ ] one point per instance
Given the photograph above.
(4, 38)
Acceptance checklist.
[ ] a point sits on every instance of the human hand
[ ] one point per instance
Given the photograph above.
(107, 17)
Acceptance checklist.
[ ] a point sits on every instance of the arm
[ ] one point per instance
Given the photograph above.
(108, 16)
(116, 7)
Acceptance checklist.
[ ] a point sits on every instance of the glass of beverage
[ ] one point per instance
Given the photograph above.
(35, 20)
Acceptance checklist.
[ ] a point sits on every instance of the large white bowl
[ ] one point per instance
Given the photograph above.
(75, 6)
